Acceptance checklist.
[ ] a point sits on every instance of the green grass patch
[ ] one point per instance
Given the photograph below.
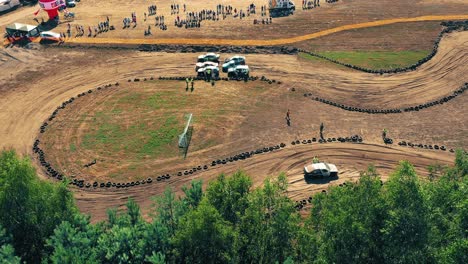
(375, 60)
(72, 147)
(165, 100)
(163, 137)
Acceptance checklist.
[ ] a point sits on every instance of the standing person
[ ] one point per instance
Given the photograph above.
(384, 134)
(192, 82)
(187, 80)
(208, 75)
(321, 130)
(288, 118)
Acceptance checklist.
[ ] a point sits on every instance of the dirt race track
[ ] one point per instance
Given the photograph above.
(33, 82)
(27, 101)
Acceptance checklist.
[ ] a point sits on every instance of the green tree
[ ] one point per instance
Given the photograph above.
(405, 231)
(449, 213)
(346, 223)
(194, 194)
(124, 242)
(269, 227)
(75, 242)
(30, 208)
(168, 210)
(7, 252)
(204, 237)
(229, 195)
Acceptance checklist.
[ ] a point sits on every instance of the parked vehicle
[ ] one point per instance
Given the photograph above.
(281, 8)
(240, 71)
(18, 32)
(70, 3)
(208, 57)
(214, 71)
(233, 62)
(200, 65)
(7, 5)
(49, 36)
(320, 170)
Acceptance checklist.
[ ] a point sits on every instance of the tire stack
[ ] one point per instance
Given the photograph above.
(416, 108)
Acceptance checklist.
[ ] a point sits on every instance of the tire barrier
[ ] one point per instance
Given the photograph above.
(425, 146)
(450, 26)
(388, 141)
(265, 79)
(415, 108)
(197, 78)
(80, 183)
(350, 139)
(221, 49)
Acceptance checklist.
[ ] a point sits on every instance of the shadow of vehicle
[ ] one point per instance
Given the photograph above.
(318, 180)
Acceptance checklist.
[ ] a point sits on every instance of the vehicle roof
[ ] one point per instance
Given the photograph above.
(211, 54)
(206, 63)
(21, 26)
(237, 56)
(242, 67)
(208, 67)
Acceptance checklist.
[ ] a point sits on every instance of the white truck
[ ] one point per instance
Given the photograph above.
(200, 65)
(233, 62)
(281, 8)
(7, 5)
(214, 72)
(240, 71)
(213, 57)
(320, 170)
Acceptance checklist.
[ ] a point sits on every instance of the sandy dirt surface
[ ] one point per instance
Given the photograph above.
(257, 42)
(25, 104)
(304, 22)
(33, 82)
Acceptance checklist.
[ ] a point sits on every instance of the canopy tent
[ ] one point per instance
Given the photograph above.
(22, 30)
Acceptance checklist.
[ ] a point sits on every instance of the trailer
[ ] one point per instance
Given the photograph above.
(281, 8)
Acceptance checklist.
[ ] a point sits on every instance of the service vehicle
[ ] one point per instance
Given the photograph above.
(200, 65)
(233, 62)
(240, 71)
(214, 71)
(213, 57)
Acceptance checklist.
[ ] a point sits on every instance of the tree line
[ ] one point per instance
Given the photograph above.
(405, 220)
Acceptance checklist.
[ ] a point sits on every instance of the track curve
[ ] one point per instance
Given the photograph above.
(25, 107)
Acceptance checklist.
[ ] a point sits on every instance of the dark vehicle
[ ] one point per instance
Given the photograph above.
(281, 8)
